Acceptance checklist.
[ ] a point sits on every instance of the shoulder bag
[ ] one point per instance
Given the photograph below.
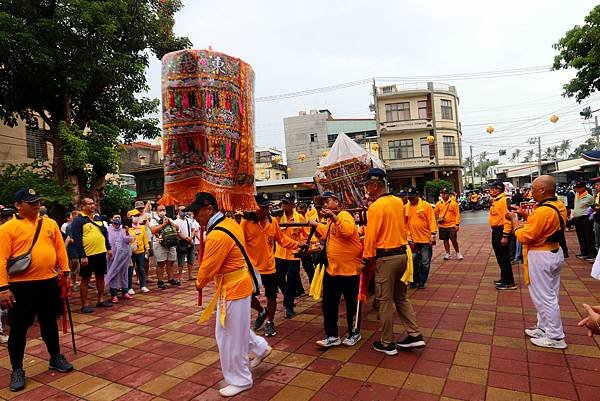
(19, 264)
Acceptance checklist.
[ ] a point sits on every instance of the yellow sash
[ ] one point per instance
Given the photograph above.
(407, 277)
(550, 246)
(221, 294)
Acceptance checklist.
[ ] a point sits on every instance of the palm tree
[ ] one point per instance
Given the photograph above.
(555, 150)
(564, 147)
(515, 155)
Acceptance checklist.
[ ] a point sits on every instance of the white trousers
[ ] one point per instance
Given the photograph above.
(544, 286)
(235, 341)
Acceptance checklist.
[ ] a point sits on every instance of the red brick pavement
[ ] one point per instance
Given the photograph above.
(150, 348)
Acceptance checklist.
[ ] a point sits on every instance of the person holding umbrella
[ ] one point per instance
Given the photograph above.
(344, 253)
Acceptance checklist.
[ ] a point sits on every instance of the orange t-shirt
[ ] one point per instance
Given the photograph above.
(344, 248)
(260, 241)
(221, 256)
(386, 225)
(421, 222)
(299, 234)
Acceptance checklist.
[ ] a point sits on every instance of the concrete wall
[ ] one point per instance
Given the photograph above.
(297, 141)
(13, 144)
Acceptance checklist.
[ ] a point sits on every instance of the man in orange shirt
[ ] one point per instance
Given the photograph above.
(261, 232)
(385, 242)
(541, 237)
(344, 254)
(286, 264)
(501, 233)
(224, 263)
(447, 215)
(421, 231)
(34, 292)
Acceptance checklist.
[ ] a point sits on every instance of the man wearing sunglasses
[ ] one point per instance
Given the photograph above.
(34, 291)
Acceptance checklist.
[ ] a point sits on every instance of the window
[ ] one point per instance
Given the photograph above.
(331, 139)
(313, 137)
(401, 149)
(449, 148)
(388, 89)
(422, 106)
(424, 147)
(397, 111)
(446, 109)
(36, 145)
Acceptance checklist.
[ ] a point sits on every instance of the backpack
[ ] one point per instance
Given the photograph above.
(169, 236)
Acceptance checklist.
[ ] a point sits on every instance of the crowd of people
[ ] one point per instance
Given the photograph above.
(254, 253)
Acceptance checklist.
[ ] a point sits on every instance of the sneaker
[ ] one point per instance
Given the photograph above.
(549, 342)
(91, 287)
(329, 342)
(590, 260)
(87, 309)
(506, 287)
(258, 359)
(421, 286)
(459, 256)
(3, 339)
(389, 349)
(270, 329)
(145, 290)
(131, 292)
(260, 319)
(17, 380)
(115, 300)
(174, 282)
(514, 262)
(447, 256)
(535, 332)
(58, 362)
(289, 313)
(411, 342)
(497, 282)
(231, 390)
(127, 296)
(352, 339)
(161, 285)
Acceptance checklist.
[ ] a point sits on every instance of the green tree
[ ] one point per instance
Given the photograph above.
(564, 147)
(580, 49)
(589, 144)
(515, 156)
(76, 68)
(116, 199)
(432, 188)
(39, 177)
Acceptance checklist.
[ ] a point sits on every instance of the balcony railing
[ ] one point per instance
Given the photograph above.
(415, 86)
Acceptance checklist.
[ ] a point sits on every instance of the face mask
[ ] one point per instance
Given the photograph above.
(116, 223)
(183, 214)
(162, 214)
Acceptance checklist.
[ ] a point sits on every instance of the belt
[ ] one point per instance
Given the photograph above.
(380, 253)
(496, 227)
(220, 294)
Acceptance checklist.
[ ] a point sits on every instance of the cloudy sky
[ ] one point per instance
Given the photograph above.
(295, 46)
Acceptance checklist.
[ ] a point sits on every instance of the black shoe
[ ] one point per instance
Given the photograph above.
(17, 380)
(497, 282)
(58, 362)
(506, 287)
(289, 313)
(260, 319)
(174, 282)
(389, 349)
(411, 342)
(161, 285)
(413, 285)
(87, 309)
(104, 304)
(421, 286)
(270, 329)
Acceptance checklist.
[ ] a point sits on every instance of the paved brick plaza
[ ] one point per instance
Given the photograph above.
(150, 348)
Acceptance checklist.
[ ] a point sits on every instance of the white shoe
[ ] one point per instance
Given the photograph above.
(459, 256)
(447, 256)
(145, 289)
(131, 292)
(549, 343)
(351, 340)
(3, 339)
(329, 342)
(232, 390)
(258, 359)
(535, 332)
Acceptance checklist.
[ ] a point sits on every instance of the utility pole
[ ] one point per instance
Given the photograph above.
(539, 141)
(597, 133)
(472, 172)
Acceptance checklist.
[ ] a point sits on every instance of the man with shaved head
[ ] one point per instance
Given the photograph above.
(542, 236)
